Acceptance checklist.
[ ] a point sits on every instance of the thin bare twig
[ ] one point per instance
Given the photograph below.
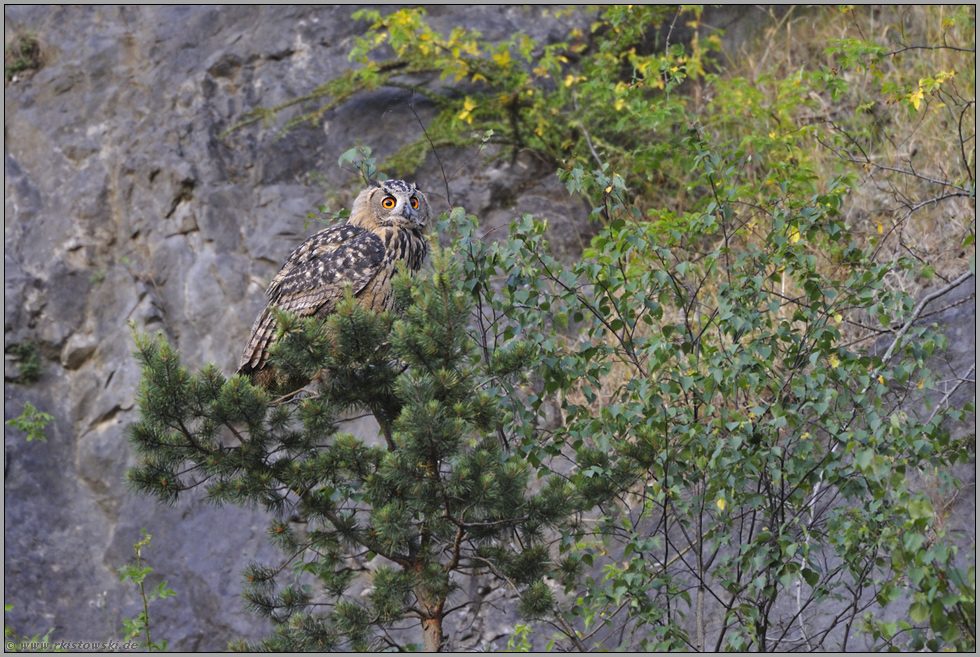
(588, 139)
(435, 152)
(917, 311)
(945, 399)
(901, 50)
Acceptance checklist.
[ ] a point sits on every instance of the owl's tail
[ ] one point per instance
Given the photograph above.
(255, 356)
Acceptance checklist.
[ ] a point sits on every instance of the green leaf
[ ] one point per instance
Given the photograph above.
(919, 612)
(920, 508)
(863, 457)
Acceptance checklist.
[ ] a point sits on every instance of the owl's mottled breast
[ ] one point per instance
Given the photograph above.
(403, 248)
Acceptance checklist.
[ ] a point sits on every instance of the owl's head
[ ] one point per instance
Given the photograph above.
(391, 203)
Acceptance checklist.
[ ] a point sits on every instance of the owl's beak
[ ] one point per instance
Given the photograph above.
(413, 215)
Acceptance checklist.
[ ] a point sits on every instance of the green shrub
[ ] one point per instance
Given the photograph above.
(29, 361)
(33, 422)
(23, 53)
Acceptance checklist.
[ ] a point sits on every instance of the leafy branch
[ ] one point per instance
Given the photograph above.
(137, 574)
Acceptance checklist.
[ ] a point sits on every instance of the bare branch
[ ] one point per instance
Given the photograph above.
(917, 312)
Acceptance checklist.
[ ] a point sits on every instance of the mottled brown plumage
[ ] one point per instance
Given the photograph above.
(384, 233)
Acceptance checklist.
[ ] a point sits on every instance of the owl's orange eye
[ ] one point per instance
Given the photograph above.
(415, 203)
(388, 202)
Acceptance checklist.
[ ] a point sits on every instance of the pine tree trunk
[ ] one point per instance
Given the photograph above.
(431, 607)
(432, 634)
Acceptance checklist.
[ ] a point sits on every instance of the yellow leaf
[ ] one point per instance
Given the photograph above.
(721, 503)
(569, 80)
(881, 229)
(502, 58)
(794, 237)
(619, 104)
(467, 114)
(916, 97)
(881, 379)
(834, 361)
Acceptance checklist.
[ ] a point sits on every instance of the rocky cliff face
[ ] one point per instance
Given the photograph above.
(123, 204)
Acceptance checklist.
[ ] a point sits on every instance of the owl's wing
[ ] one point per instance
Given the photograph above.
(312, 280)
(315, 273)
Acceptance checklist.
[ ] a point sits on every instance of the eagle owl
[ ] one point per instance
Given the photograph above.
(384, 233)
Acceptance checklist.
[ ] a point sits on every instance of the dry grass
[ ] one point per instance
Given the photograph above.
(914, 169)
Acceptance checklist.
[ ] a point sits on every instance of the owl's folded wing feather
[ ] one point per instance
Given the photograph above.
(312, 280)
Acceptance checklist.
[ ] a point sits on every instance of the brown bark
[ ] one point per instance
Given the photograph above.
(432, 634)
(431, 607)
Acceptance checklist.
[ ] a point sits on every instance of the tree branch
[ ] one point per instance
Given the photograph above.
(917, 311)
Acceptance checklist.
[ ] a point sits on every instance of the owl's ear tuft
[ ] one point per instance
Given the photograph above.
(375, 183)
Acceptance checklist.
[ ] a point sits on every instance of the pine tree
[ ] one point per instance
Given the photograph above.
(440, 500)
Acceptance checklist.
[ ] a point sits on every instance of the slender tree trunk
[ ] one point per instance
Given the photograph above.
(431, 606)
(432, 634)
